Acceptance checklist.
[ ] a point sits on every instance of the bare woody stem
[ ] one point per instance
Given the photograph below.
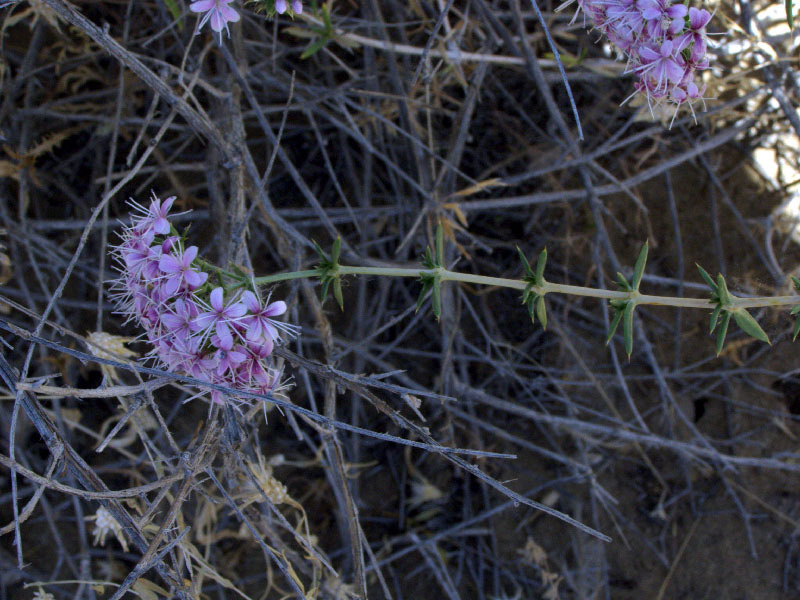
(547, 288)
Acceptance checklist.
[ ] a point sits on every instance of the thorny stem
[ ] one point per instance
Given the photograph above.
(546, 288)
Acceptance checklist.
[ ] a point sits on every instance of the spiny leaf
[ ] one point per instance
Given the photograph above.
(796, 282)
(326, 282)
(750, 326)
(789, 17)
(722, 287)
(320, 251)
(723, 330)
(427, 259)
(638, 269)
(437, 298)
(707, 278)
(796, 329)
(541, 311)
(526, 293)
(526, 264)
(439, 245)
(337, 292)
(313, 48)
(326, 16)
(427, 283)
(422, 295)
(336, 250)
(627, 327)
(531, 304)
(540, 262)
(715, 318)
(623, 283)
(614, 324)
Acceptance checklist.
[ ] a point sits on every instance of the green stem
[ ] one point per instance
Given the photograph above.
(285, 276)
(547, 288)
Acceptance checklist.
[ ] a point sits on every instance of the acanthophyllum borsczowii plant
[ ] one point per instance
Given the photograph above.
(214, 325)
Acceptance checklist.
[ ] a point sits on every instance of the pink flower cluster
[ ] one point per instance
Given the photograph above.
(665, 43)
(196, 329)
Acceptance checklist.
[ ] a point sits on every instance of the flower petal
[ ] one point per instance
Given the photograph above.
(236, 310)
(194, 279)
(189, 255)
(169, 264)
(677, 11)
(275, 309)
(217, 20)
(202, 5)
(224, 335)
(250, 300)
(698, 18)
(172, 284)
(673, 70)
(231, 16)
(254, 331)
(216, 298)
(648, 54)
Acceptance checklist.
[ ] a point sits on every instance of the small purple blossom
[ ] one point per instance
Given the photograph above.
(259, 322)
(228, 356)
(142, 259)
(695, 33)
(219, 316)
(155, 218)
(179, 273)
(218, 14)
(662, 66)
(179, 317)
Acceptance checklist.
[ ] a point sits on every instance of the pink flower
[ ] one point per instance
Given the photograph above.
(217, 12)
(661, 67)
(155, 217)
(259, 322)
(698, 19)
(168, 243)
(220, 316)
(661, 16)
(179, 317)
(253, 373)
(140, 259)
(695, 32)
(228, 356)
(178, 268)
